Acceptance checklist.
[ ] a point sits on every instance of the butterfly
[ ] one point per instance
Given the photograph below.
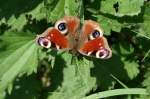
(66, 34)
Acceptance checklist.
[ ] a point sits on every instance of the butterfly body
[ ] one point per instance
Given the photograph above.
(66, 34)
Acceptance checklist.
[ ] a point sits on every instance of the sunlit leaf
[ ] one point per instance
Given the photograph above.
(61, 8)
(17, 18)
(23, 60)
(132, 68)
(11, 41)
(144, 29)
(109, 24)
(73, 80)
(115, 92)
(147, 79)
(122, 7)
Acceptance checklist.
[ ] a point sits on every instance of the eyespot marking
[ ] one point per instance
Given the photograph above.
(44, 42)
(102, 53)
(95, 34)
(62, 26)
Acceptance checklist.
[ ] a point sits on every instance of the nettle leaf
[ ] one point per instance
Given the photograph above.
(61, 8)
(57, 12)
(71, 78)
(144, 27)
(125, 48)
(121, 7)
(132, 68)
(23, 60)
(12, 41)
(17, 18)
(17, 7)
(71, 7)
(104, 69)
(146, 82)
(109, 24)
(109, 21)
(26, 87)
(125, 51)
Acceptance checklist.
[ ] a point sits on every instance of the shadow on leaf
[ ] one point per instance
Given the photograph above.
(26, 87)
(36, 26)
(103, 69)
(16, 7)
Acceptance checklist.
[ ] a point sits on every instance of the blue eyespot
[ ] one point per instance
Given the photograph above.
(96, 34)
(62, 26)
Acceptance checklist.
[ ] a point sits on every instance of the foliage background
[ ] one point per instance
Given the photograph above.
(30, 72)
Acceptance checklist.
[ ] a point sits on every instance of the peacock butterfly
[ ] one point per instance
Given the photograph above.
(66, 34)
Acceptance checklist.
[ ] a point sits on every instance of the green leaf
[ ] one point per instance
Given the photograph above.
(61, 8)
(147, 79)
(23, 60)
(126, 49)
(144, 27)
(115, 92)
(109, 24)
(16, 18)
(57, 12)
(126, 52)
(132, 68)
(11, 41)
(77, 78)
(73, 8)
(73, 78)
(17, 7)
(125, 7)
(104, 69)
(26, 87)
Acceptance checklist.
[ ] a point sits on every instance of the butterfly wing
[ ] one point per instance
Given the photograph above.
(92, 42)
(61, 35)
